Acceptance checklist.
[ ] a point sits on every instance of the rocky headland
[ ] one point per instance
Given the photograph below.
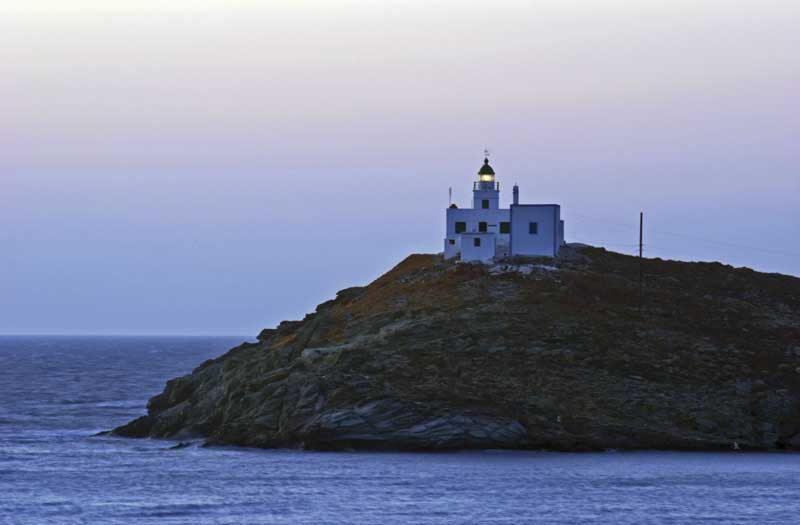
(530, 354)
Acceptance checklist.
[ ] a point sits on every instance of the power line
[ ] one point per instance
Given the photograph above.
(730, 244)
(621, 225)
(606, 221)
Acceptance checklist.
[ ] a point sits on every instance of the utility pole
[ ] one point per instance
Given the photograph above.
(641, 293)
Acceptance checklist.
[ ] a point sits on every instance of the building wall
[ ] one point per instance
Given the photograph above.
(547, 239)
(484, 252)
(451, 249)
(502, 246)
(493, 196)
(472, 217)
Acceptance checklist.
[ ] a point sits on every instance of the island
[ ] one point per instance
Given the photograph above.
(590, 350)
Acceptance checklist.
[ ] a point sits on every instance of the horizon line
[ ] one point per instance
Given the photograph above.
(120, 334)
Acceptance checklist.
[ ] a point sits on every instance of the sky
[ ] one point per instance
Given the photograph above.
(215, 167)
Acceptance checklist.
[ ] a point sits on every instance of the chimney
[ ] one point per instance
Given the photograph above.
(516, 194)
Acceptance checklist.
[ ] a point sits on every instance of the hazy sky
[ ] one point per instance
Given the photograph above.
(218, 166)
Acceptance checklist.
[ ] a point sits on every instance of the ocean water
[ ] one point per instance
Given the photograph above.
(56, 393)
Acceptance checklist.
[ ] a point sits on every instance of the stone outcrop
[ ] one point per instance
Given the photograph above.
(551, 354)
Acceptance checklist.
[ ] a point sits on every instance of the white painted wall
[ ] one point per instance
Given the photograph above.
(544, 243)
(502, 247)
(493, 196)
(472, 217)
(484, 252)
(452, 246)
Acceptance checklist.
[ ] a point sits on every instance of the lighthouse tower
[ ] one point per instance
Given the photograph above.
(486, 191)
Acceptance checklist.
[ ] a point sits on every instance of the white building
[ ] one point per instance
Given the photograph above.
(486, 231)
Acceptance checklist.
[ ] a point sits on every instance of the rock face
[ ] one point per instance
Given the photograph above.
(522, 354)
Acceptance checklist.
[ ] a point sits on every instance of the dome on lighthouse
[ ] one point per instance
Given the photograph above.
(486, 169)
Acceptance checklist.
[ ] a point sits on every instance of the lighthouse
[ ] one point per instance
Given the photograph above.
(486, 231)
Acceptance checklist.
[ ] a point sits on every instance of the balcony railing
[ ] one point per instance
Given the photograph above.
(484, 185)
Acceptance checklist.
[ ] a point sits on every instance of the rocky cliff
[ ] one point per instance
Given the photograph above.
(552, 354)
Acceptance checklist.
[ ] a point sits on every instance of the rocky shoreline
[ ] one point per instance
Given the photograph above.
(521, 354)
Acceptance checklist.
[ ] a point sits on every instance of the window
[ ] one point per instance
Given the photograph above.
(476, 241)
(481, 226)
(461, 227)
(485, 204)
(505, 227)
(451, 241)
(533, 228)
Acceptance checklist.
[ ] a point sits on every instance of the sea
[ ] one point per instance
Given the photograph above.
(58, 393)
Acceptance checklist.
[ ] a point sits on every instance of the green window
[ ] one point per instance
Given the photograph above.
(481, 226)
(533, 228)
(505, 227)
(477, 241)
(485, 204)
(461, 227)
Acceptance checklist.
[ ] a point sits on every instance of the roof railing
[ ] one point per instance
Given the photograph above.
(485, 185)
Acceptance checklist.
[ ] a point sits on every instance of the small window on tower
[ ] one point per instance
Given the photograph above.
(505, 227)
(451, 241)
(485, 204)
(461, 227)
(533, 228)
(481, 226)
(477, 241)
